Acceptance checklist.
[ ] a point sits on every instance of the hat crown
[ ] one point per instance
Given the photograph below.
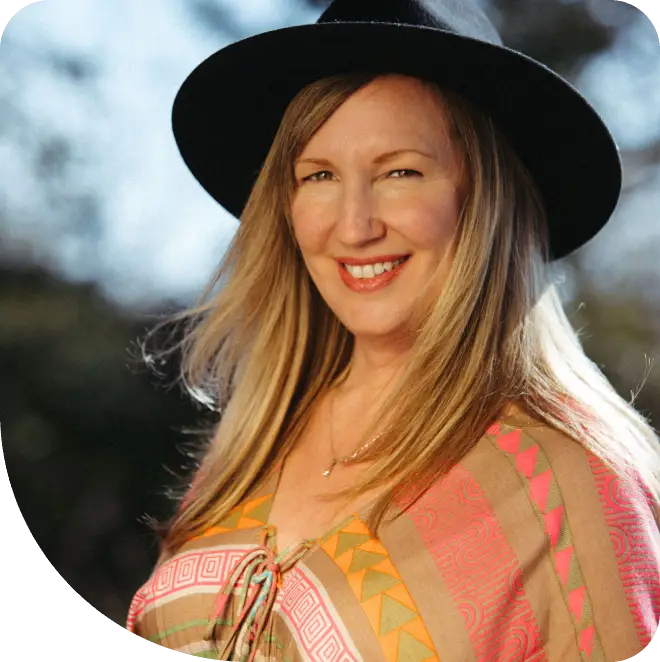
(463, 17)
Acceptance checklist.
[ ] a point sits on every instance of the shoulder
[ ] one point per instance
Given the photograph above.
(599, 528)
(559, 471)
(532, 529)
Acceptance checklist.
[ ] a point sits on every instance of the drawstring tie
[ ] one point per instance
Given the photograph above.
(262, 573)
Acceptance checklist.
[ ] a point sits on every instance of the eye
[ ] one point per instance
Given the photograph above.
(406, 171)
(401, 173)
(316, 177)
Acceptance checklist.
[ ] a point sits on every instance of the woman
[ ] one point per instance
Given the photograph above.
(415, 459)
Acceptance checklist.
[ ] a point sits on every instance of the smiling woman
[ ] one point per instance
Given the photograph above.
(415, 460)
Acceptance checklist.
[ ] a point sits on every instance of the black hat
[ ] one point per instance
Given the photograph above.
(227, 112)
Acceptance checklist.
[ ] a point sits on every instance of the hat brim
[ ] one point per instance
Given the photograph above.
(227, 111)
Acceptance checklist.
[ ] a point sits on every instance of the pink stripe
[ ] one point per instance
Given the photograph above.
(314, 622)
(464, 538)
(208, 567)
(135, 610)
(633, 532)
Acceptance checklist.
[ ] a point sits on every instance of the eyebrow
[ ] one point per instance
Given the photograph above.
(378, 160)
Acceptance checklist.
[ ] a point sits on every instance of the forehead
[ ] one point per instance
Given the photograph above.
(388, 110)
(398, 89)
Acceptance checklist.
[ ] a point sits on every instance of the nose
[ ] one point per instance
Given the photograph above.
(357, 221)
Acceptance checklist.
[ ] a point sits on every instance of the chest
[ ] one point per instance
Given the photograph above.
(298, 510)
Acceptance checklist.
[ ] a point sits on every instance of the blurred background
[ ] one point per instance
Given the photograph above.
(103, 230)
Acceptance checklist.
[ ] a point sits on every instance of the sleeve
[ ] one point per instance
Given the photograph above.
(136, 611)
(583, 540)
(604, 543)
(144, 596)
(630, 516)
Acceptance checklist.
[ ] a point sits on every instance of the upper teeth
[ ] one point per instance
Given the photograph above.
(371, 270)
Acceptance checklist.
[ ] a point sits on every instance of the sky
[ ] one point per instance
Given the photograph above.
(156, 233)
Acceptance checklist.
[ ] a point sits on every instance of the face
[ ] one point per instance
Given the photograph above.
(379, 179)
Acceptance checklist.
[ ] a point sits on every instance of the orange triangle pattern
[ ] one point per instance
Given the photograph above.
(377, 585)
(371, 575)
(531, 463)
(247, 515)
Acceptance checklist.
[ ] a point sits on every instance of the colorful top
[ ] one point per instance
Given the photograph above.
(530, 549)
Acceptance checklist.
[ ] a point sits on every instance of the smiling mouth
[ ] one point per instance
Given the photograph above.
(404, 259)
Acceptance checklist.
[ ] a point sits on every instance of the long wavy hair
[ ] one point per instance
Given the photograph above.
(262, 345)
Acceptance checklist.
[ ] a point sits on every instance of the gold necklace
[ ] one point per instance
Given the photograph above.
(347, 458)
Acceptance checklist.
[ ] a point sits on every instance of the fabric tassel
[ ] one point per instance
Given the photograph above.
(262, 577)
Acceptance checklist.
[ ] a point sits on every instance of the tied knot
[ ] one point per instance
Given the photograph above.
(274, 567)
(270, 573)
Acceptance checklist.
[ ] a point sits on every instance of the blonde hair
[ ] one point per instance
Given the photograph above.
(265, 346)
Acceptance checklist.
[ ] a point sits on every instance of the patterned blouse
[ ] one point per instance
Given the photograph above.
(530, 549)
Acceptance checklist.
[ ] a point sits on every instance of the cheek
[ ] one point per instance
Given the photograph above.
(309, 223)
(431, 223)
(303, 226)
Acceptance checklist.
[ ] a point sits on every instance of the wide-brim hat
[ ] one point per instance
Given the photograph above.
(227, 111)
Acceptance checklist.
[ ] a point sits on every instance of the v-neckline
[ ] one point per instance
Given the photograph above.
(269, 490)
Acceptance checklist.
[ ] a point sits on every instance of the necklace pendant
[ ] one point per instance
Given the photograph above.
(326, 473)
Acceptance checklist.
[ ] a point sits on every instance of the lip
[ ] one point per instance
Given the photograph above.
(364, 285)
(371, 260)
